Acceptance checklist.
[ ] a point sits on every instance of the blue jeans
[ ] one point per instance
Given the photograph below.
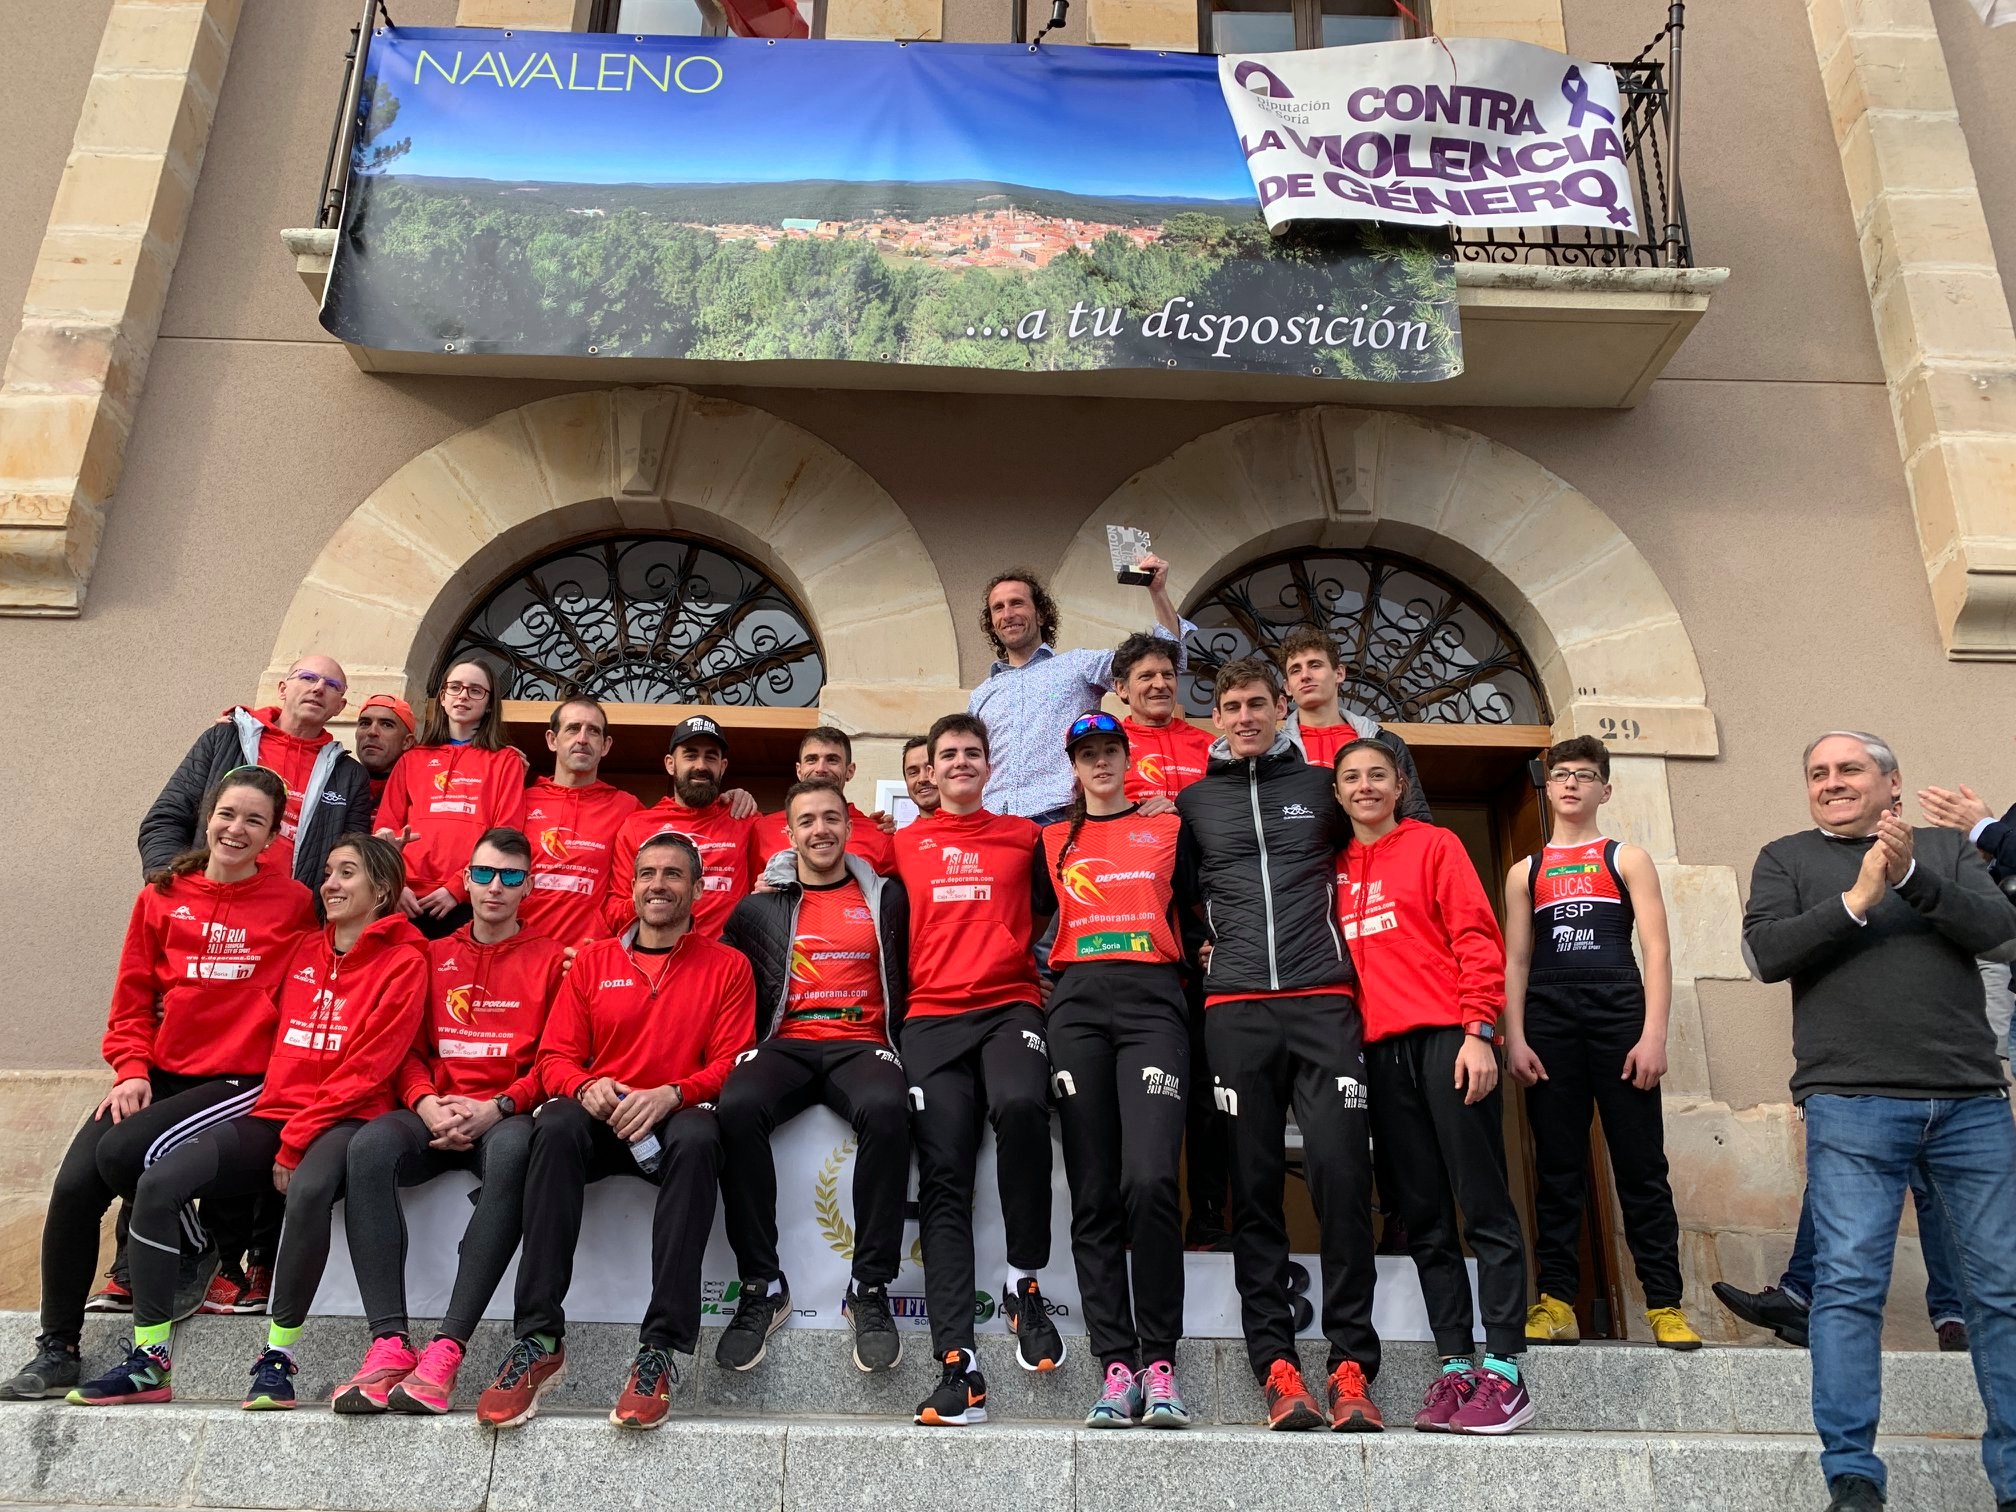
(1860, 1156)
(1942, 1265)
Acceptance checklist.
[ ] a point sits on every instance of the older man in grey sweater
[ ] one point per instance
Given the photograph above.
(1877, 926)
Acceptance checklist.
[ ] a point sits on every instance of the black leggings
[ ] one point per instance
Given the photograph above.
(107, 1160)
(392, 1152)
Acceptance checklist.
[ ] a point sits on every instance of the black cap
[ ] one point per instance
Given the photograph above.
(690, 729)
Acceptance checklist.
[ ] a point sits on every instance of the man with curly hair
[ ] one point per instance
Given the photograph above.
(1034, 691)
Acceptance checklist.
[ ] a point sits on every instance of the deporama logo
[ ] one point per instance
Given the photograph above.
(1297, 811)
(555, 843)
(460, 1008)
(1078, 880)
(1161, 1083)
(1062, 1085)
(1149, 769)
(802, 969)
(1353, 1090)
(443, 781)
(1226, 1099)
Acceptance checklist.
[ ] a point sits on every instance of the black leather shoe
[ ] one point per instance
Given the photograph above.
(1854, 1493)
(1769, 1308)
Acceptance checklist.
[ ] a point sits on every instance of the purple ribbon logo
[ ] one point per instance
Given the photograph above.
(1269, 85)
(1575, 90)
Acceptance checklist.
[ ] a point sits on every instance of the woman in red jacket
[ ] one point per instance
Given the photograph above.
(188, 1038)
(442, 795)
(1431, 982)
(350, 1001)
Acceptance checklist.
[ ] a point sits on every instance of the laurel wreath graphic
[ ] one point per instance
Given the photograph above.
(833, 1225)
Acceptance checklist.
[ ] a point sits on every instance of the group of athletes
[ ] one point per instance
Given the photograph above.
(546, 985)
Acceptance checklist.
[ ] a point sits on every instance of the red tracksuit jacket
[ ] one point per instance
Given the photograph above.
(197, 973)
(730, 850)
(573, 832)
(865, 840)
(346, 1023)
(1163, 759)
(450, 795)
(1421, 932)
(685, 1032)
(486, 1006)
(971, 926)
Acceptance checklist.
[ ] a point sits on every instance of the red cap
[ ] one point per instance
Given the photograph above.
(398, 706)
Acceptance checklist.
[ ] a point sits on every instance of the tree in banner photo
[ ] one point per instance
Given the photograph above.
(961, 206)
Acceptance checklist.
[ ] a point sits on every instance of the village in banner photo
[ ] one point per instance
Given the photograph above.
(952, 206)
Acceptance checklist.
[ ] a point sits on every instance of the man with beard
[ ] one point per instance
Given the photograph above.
(917, 775)
(730, 848)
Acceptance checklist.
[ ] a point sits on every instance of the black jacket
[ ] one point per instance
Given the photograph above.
(1413, 799)
(1262, 835)
(338, 800)
(764, 923)
(1998, 842)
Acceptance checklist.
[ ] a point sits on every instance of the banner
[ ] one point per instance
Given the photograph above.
(1467, 131)
(732, 200)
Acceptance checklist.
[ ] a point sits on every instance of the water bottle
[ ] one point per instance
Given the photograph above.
(646, 1151)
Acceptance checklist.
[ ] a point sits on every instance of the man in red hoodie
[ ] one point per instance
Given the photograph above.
(385, 731)
(636, 1049)
(572, 819)
(826, 754)
(730, 848)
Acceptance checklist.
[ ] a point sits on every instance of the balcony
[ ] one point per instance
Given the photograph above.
(1564, 318)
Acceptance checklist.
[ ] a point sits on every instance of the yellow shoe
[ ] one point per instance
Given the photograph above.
(1670, 1329)
(1551, 1321)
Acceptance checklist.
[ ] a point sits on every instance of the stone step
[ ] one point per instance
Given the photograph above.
(1591, 1388)
(217, 1456)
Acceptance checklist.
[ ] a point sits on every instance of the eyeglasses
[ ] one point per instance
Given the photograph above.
(510, 876)
(1582, 777)
(317, 680)
(461, 689)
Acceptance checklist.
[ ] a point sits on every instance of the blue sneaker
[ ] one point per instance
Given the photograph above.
(1162, 1404)
(143, 1376)
(272, 1388)
(1119, 1406)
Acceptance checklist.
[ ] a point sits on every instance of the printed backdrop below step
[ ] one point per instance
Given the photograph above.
(952, 206)
(815, 1207)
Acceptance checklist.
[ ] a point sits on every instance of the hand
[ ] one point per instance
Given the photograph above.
(740, 804)
(1871, 882)
(883, 821)
(475, 1117)
(438, 1115)
(1522, 1065)
(1157, 803)
(1961, 811)
(762, 884)
(437, 904)
(567, 957)
(128, 1096)
(1204, 956)
(409, 901)
(1476, 1070)
(1894, 839)
(1044, 987)
(599, 1097)
(1157, 570)
(1646, 1063)
(642, 1111)
(401, 838)
(280, 1176)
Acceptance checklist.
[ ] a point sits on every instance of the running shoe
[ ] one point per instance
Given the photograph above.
(1952, 1337)
(272, 1388)
(961, 1397)
(1290, 1408)
(877, 1344)
(430, 1389)
(386, 1363)
(647, 1395)
(225, 1288)
(143, 1376)
(193, 1276)
(1162, 1404)
(1038, 1345)
(54, 1370)
(1670, 1328)
(1119, 1405)
(257, 1290)
(761, 1311)
(1206, 1229)
(1552, 1321)
(115, 1296)
(1495, 1405)
(1857, 1493)
(527, 1374)
(1350, 1401)
(1446, 1395)
(1772, 1309)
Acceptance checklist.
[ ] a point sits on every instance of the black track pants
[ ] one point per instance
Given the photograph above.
(570, 1149)
(991, 1063)
(1436, 1154)
(312, 1194)
(862, 1081)
(1266, 1054)
(1206, 1140)
(1120, 1059)
(1582, 1032)
(230, 1159)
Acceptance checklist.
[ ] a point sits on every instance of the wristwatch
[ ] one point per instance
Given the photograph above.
(506, 1104)
(1482, 1029)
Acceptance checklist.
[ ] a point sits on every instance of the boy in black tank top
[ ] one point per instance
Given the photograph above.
(1584, 1031)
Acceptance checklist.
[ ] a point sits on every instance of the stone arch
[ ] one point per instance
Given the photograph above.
(1603, 632)
(392, 583)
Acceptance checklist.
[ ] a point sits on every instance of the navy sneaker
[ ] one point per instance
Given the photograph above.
(272, 1388)
(143, 1376)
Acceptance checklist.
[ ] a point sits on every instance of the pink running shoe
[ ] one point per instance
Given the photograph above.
(430, 1388)
(1445, 1398)
(386, 1363)
(1496, 1406)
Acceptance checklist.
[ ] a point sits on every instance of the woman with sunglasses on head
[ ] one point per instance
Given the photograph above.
(188, 1038)
(350, 1000)
(460, 780)
(466, 1093)
(1120, 1057)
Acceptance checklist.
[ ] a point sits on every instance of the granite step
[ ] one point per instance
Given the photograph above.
(1591, 1388)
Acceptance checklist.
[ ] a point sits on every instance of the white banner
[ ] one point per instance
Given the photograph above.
(1467, 131)
(815, 1243)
